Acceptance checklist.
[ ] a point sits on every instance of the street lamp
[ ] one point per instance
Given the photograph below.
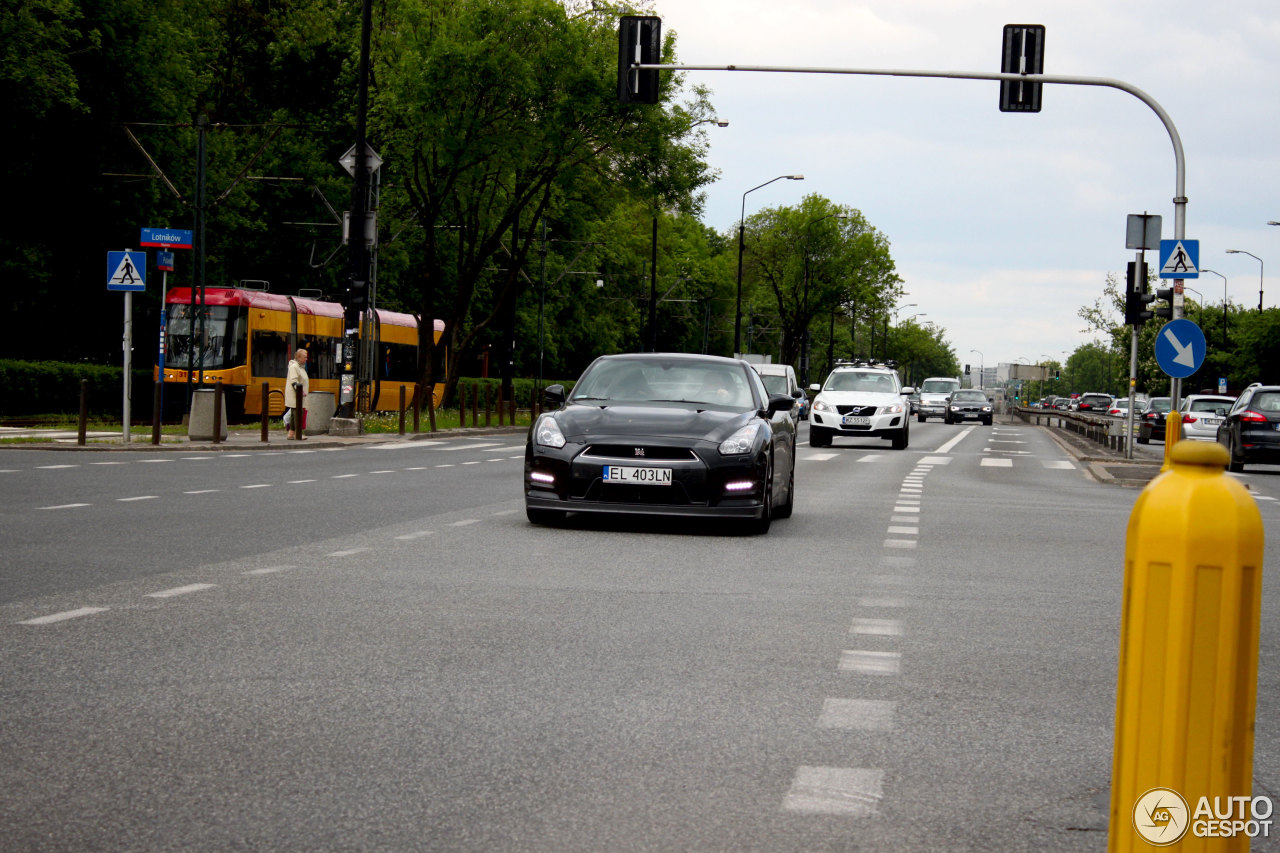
(742, 223)
(981, 377)
(1224, 304)
(1260, 271)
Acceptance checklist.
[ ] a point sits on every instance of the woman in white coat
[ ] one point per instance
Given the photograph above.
(295, 381)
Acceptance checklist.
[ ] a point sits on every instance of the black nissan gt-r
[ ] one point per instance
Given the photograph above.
(663, 434)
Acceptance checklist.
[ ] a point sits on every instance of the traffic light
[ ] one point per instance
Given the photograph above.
(639, 41)
(1166, 311)
(357, 296)
(1136, 297)
(966, 370)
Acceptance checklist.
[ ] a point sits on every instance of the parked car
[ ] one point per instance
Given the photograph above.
(663, 434)
(968, 404)
(781, 379)
(1200, 420)
(1152, 424)
(1251, 428)
(1119, 408)
(860, 401)
(1093, 404)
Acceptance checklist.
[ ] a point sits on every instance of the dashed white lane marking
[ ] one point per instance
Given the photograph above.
(881, 601)
(850, 791)
(417, 468)
(343, 476)
(877, 627)
(818, 457)
(493, 444)
(410, 536)
(268, 570)
(505, 512)
(108, 463)
(505, 449)
(63, 616)
(1059, 463)
(465, 522)
(446, 465)
(201, 491)
(474, 462)
(149, 461)
(181, 590)
(900, 543)
(257, 486)
(298, 482)
(909, 501)
(347, 553)
(1263, 498)
(914, 519)
(195, 458)
(870, 662)
(237, 456)
(63, 506)
(904, 531)
(384, 471)
(138, 498)
(901, 508)
(54, 467)
(996, 463)
(868, 715)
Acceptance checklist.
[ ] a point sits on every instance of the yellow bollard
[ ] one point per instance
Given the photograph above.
(1172, 435)
(1188, 659)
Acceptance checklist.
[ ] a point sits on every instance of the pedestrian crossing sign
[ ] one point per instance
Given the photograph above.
(1179, 258)
(127, 271)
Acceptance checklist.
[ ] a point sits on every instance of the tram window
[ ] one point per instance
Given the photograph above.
(399, 362)
(270, 354)
(319, 357)
(215, 348)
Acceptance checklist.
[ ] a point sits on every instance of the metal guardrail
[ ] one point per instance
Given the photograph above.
(1103, 429)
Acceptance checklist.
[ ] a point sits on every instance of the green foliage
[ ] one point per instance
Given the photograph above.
(50, 387)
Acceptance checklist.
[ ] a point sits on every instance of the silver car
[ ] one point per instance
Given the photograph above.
(1199, 415)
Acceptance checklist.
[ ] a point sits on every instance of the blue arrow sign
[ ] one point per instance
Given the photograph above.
(126, 270)
(1180, 348)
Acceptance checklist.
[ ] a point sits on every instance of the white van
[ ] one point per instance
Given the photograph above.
(934, 392)
(781, 379)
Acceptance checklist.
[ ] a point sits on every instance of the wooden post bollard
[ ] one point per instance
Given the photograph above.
(402, 409)
(217, 412)
(266, 410)
(500, 405)
(155, 414)
(488, 412)
(475, 405)
(462, 405)
(431, 409)
(81, 424)
(417, 405)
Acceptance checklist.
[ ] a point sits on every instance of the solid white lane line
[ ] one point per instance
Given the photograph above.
(868, 715)
(849, 791)
(63, 616)
(181, 590)
(63, 506)
(946, 448)
(869, 662)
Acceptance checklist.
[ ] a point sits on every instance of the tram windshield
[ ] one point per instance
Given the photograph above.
(220, 339)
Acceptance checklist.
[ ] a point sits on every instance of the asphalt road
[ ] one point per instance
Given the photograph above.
(370, 648)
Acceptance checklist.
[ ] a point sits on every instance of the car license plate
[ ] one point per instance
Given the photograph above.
(640, 476)
(855, 420)
(1211, 421)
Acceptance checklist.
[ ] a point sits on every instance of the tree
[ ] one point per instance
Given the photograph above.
(492, 113)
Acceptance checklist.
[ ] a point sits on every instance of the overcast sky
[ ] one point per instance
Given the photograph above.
(1003, 225)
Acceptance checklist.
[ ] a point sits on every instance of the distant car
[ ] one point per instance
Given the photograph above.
(1093, 404)
(1151, 427)
(968, 404)
(1119, 408)
(1062, 404)
(781, 379)
(1251, 428)
(1200, 420)
(860, 401)
(914, 397)
(663, 434)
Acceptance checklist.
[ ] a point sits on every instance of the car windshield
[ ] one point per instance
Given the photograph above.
(1267, 401)
(670, 380)
(939, 386)
(1210, 405)
(775, 384)
(1159, 405)
(857, 380)
(969, 396)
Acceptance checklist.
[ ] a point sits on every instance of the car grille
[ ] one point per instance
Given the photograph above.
(640, 452)
(856, 410)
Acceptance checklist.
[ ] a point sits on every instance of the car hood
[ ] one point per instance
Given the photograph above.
(584, 422)
(861, 398)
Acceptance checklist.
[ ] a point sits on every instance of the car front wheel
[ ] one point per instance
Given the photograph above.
(819, 437)
(901, 440)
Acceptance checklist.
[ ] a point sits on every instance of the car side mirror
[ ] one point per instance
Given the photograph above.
(815, 387)
(908, 390)
(1220, 412)
(553, 396)
(797, 394)
(780, 403)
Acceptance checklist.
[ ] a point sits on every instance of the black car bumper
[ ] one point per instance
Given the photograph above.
(1260, 445)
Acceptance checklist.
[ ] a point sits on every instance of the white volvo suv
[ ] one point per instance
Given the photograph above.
(860, 401)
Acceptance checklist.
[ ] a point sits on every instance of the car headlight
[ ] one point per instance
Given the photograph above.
(742, 441)
(821, 405)
(986, 408)
(548, 433)
(894, 408)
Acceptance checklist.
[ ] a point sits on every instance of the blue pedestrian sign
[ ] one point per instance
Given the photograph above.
(126, 271)
(1180, 348)
(1179, 258)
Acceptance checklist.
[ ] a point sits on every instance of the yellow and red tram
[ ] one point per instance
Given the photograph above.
(248, 337)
